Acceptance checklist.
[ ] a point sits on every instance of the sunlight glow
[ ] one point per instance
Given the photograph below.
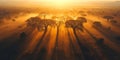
(58, 3)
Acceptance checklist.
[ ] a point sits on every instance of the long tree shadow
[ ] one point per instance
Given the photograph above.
(43, 51)
(111, 54)
(77, 55)
(40, 24)
(31, 55)
(112, 37)
(11, 52)
(55, 50)
(85, 50)
(90, 34)
(78, 24)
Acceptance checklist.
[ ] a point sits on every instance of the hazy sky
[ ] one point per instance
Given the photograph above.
(56, 0)
(26, 2)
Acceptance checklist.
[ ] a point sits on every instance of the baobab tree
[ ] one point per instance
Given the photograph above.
(108, 17)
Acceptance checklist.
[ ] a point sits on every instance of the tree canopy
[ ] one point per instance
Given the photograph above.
(39, 23)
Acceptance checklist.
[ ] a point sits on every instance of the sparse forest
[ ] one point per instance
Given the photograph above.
(56, 34)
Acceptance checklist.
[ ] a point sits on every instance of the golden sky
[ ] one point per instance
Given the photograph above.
(47, 2)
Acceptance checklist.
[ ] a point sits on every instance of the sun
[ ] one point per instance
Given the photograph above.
(60, 2)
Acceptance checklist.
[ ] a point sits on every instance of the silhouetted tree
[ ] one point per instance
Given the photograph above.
(75, 24)
(108, 17)
(44, 25)
(80, 21)
(97, 23)
(34, 22)
(47, 22)
(113, 21)
(38, 23)
(72, 24)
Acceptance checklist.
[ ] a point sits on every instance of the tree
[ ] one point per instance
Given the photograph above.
(80, 21)
(71, 23)
(97, 23)
(108, 18)
(75, 24)
(47, 22)
(43, 24)
(34, 22)
(40, 24)
(113, 21)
